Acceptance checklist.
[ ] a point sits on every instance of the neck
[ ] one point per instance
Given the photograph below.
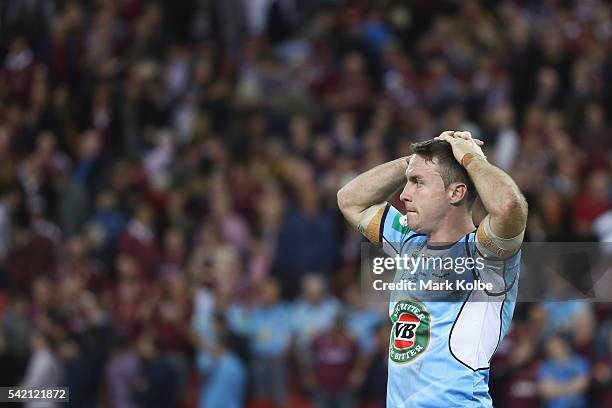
(452, 227)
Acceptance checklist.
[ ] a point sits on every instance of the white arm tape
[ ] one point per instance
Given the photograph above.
(366, 225)
(492, 246)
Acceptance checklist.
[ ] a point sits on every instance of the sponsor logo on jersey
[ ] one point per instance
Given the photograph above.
(410, 332)
(400, 223)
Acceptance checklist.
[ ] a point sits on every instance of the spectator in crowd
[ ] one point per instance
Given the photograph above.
(139, 240)
(17, 329)
(224, 383)
(602, 376)
(360, 320)
(171, 318)
(44, 368)
(107, 219)
(514, 368)
(9, 203)
(374, 386)
(337, 367)
(120, 374)
(563, 378)
(313, 312)
(298, 251)
(270, 334)
(14, 367)
(85, 351)
(155, 384)
(583, 335)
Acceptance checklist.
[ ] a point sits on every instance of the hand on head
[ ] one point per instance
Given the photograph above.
(462, 143)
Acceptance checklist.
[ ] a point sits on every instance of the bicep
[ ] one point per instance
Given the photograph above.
(512, 219)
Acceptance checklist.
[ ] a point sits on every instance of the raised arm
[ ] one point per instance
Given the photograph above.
(364, 198)
(499, 194)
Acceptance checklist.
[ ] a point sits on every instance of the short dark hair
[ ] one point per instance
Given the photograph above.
(450, 170)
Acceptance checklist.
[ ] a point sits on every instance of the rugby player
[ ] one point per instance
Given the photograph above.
(441, 343)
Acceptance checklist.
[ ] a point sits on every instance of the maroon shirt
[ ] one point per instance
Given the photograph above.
(522, 386)
(140, 242)
(517, 383)
(604, 391)
(334, 357)
(171, 320)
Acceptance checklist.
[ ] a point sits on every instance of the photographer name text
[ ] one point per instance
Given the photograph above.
(432, 285)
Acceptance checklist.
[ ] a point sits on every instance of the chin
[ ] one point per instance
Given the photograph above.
(412, 222)
(414, 226)
(416, 229)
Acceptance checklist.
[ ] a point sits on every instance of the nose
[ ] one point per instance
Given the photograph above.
(406, 194)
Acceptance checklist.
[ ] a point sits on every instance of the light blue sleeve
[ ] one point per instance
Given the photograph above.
(205, 362)
(240, 319)
(394, 230)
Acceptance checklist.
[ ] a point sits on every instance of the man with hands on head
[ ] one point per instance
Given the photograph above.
(441, 343)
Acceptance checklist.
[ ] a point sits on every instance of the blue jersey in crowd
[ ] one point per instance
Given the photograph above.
(564, 372)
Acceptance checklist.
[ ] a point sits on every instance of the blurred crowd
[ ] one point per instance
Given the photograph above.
(169, 234)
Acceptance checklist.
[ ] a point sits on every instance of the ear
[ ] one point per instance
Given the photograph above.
(457, 192)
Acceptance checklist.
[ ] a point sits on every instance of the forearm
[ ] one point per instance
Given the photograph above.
(373, 187)
(500, 197)
(547, 389)
(555, 389)
(576, 386)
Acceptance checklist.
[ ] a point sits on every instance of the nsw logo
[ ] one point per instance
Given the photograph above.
(400, 223)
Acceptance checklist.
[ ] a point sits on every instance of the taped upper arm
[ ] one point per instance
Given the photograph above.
(492, 246)
(370, 222)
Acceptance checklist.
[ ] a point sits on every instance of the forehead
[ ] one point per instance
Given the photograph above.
(419, 167)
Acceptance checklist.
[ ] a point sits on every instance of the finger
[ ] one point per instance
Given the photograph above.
(446, 133)
(463, 135)
(447, 138)
(478, 142)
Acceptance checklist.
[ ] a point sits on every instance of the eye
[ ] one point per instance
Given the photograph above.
(415, 180)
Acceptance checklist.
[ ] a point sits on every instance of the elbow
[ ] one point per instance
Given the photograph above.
(343, 199)
(522, 208)
(515, 206)
(347, 206)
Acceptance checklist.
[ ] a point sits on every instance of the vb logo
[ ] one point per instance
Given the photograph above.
(405, 331)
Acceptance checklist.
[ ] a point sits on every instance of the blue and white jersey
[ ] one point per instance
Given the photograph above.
(442, 341)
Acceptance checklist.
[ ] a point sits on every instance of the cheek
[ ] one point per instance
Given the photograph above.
(432, 201)
(427, 194)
